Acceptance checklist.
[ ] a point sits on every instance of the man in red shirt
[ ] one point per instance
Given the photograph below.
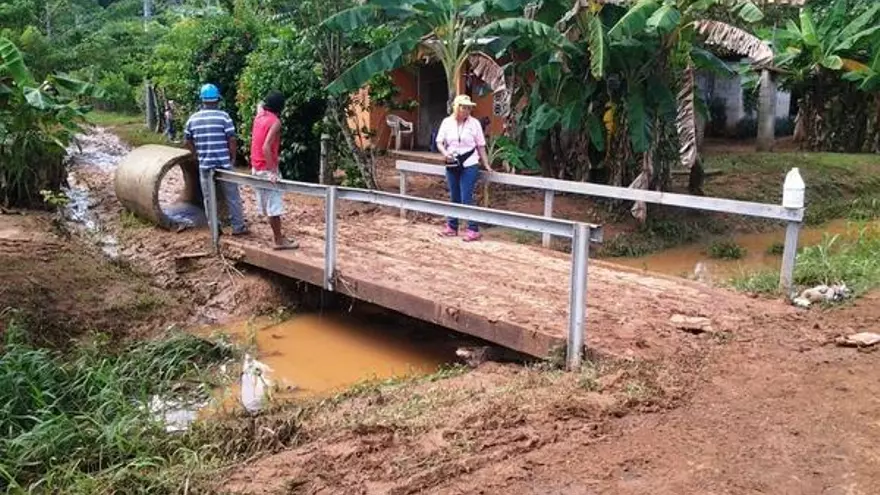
(265, 144)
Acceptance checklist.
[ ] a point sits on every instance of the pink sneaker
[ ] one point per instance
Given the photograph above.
(448, 232)
(472, 236)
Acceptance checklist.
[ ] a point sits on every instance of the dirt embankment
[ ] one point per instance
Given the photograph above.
(102, 269)
(776, 408)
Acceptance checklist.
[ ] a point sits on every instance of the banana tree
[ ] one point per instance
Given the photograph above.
(38, 120)
(445, 29)
(642, 56)
(820, 55)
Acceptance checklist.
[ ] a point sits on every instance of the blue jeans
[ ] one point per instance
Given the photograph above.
(462, 181)
(230, 194)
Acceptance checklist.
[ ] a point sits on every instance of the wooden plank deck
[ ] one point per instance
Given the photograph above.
(510, 294)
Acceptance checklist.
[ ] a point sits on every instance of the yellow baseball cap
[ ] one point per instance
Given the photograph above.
(463, 101)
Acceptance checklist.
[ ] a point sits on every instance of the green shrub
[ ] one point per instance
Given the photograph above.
(201, 50)
(726, 250)
(776, 249)
(285, 61)
(119, 93)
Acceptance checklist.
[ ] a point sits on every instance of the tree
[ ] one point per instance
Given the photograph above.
(444, 28)
(37, 122)
(824, 55)
(639, 60)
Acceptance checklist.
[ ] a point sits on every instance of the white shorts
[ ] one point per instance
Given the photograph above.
(269, 201)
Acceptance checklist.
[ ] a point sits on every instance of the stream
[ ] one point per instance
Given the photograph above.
(693, 261)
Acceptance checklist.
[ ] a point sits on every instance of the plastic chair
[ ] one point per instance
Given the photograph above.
(399, 128)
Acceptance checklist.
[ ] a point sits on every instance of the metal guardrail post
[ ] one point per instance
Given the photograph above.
(548, 212)
(402, 191)
(212, 212)
(330, 238)
(580, 252)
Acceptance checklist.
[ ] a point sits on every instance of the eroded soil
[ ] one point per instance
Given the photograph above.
(775, 409)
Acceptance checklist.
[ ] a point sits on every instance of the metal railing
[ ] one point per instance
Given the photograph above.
(580, 233)
(793, 217)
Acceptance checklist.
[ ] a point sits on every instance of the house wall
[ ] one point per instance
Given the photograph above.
(729, 89)
(485, 108)
(783, 104)
(407, 82)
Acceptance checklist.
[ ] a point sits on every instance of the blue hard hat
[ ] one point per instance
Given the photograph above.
(209, 92)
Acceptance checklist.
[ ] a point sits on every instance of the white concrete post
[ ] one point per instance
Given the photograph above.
(792, 198)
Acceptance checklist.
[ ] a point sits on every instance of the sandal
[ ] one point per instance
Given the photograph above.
(448, 232)
(286, 244)
(472, 236)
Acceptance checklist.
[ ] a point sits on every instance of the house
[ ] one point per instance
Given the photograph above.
(425, 84)
(725, 97)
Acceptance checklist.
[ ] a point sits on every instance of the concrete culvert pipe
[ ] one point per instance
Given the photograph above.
(139, 187)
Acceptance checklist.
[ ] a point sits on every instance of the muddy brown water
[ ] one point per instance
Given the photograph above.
(314, 355)
(693, 261)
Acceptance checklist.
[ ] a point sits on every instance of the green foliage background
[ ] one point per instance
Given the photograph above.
(284, 61)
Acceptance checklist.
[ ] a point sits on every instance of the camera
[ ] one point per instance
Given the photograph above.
(453, 159)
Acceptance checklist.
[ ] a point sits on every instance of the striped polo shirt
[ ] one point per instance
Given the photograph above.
(210, 129)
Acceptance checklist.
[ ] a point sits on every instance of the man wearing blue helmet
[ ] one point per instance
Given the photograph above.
(210, 135)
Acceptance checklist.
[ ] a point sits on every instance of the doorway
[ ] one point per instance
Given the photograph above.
(433, 96)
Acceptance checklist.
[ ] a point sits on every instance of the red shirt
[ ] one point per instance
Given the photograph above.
(262, 123)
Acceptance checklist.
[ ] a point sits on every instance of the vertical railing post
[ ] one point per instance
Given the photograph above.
(793, 199)
(330, 239)
(577, 309)
(325, 175)
(789, 255)
(212, 213)
(548, 212)
(402, 191)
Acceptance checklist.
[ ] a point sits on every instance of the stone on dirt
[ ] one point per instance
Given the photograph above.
(692, 324)
(862, 339)
(821, 293)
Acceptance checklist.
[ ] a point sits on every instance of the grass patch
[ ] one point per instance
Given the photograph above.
(838, 185)
(111, 119)
(77, 422)
(865, 209)
(776, 249)
(131, 221)
(851, 258)
(761, 282)
(375, 385)
(131, 129)
(726, 250)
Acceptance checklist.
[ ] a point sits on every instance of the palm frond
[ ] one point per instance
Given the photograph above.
(487, 69)
(736, 40)
(686, 120)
